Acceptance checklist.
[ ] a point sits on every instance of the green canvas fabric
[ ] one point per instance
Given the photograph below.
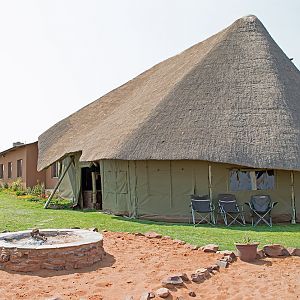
(162, 189)
(70, 187)
(297, 193)
(153, 187)
(281, 193)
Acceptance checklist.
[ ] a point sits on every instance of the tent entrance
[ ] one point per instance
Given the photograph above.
(91, 187)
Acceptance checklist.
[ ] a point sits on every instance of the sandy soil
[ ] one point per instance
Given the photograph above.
(135, 264)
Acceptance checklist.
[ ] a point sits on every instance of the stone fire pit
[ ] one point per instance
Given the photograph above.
(50, 249)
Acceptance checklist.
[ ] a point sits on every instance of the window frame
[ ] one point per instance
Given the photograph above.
(19, 168)
(1, 171)
(254, 171)
(9, 169)
(55, 166)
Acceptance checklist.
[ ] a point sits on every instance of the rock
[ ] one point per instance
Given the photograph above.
(191, 247)
(275, 250)
(104, 230)
(95, 229)
(166, 237)
(179, 242)
(228, 253)
(222, 264)
(294, 251)
(197, 277)
(210, 248)
(260, 254)
(48, 266)
(162, 292)
(147, 296)
(152, 235)
(138, 234)
(4, 257)
(203, 271)
(192, 293)
(184, 277)
(215, 267)
(227, 258)
(54, 298)
(172, 280)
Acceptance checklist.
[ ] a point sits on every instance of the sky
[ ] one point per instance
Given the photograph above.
(57, 56)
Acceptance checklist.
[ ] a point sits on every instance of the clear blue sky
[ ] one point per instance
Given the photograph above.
(58, 55)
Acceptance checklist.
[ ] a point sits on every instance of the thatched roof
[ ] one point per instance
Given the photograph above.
(233, 98)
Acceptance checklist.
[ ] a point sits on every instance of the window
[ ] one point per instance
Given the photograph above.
(55, 170)
(9, 169)
(19, 167)
(1, 170)
(251, 180)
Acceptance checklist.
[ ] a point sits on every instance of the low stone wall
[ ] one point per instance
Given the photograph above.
(56, 258)
(24, 260)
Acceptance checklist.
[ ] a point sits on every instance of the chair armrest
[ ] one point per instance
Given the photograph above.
(273, 204)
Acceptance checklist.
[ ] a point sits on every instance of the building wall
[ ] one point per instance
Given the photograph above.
(50, 182)
(162, 189)
(30, 176)
(13, 156)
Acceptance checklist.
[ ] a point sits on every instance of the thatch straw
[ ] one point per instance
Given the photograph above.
(233, 98)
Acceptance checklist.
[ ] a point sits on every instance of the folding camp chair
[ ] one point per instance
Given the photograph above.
(261, 207)
(230, 210)
(202, 207)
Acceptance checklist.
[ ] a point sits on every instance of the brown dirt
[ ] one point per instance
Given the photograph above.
(135, 264)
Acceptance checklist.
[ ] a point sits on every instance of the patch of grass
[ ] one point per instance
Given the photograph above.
(21, 213)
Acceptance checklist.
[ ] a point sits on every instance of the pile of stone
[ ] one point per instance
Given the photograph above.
(277, 250)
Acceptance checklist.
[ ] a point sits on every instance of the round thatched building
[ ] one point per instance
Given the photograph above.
(221, 117)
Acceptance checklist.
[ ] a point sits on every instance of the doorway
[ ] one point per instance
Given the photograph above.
(87, 187)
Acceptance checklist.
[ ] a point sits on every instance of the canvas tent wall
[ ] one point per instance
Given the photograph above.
(70, 187)
(162, 189)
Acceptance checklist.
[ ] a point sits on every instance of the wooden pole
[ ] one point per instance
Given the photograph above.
(209, 182)
(58, 184)
(94, 188)
(293, 202)
(170, 187)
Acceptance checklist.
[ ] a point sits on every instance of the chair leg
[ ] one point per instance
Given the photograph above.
(243, 219)
(213, 217)
(193, 217)
(225, 219)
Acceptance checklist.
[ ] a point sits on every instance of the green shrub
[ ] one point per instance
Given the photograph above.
(20, 193)
(34, 199)
(38, 190)
(5, 185)
(17, 185)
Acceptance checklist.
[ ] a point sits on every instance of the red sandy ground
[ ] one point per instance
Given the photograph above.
(135, 264)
